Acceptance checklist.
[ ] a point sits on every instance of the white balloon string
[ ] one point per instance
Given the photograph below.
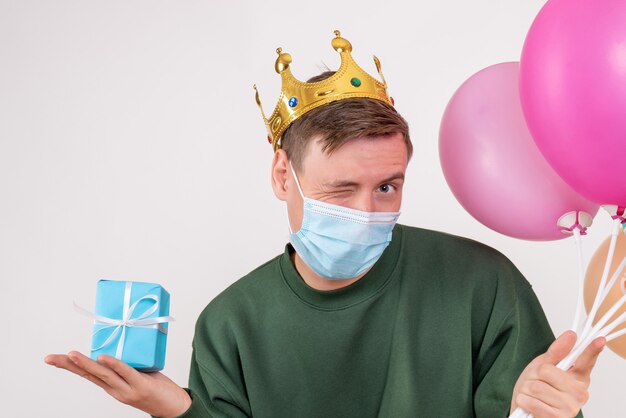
(614, 324)
(520, 413)
(605, 273)
(595, 332)
(615, 335)
(614, 279)
(577, 324)
(585, 339)
(517, 413)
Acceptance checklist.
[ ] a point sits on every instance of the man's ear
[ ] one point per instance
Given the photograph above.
(280, 169)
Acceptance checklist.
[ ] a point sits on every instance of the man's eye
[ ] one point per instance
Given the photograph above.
(386, 188)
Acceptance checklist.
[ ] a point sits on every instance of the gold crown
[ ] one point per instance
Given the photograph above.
(297, 98)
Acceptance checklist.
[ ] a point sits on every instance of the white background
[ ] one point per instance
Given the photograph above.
(131, 149)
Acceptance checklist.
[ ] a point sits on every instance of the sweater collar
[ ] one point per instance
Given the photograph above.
(367, 286)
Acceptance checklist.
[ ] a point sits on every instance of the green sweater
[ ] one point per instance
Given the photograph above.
(441, 326)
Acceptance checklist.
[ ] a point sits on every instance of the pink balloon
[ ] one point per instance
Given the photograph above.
(492, 164)
(573, 93)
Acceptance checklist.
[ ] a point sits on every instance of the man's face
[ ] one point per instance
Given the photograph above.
(366, 174)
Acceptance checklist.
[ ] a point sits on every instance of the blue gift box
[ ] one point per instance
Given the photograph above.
(131, 323)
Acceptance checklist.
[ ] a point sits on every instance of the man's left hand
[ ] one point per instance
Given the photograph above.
(548, 392)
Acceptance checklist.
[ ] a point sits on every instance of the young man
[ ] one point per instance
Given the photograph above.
(360, 316)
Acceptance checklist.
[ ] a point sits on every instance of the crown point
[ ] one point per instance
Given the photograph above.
(377, 63)
(282, 62)
(256, 95)
(279, 50)
(341, 44)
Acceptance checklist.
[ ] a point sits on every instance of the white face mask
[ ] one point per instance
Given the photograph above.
(340, 243)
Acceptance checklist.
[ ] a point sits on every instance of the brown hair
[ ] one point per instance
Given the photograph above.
(341, 121)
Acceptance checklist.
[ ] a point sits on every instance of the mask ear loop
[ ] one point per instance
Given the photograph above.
(295, 176)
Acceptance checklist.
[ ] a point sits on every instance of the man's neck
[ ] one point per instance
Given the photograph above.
(317, 282)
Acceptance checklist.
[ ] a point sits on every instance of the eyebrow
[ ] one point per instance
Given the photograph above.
(348, 183)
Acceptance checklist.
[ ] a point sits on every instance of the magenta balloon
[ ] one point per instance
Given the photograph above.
(492, 165)
(573, 93)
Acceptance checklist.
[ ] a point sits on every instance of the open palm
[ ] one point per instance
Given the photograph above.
(153, 392)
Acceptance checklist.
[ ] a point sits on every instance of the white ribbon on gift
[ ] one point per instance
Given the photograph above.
(127, 320)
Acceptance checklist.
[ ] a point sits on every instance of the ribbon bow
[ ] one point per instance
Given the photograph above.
(127, 320)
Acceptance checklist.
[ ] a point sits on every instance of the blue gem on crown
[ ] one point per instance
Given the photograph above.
(293, 102)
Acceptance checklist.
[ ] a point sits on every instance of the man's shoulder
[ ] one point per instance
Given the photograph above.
(446, 242)
(459, 256)
(466, 271)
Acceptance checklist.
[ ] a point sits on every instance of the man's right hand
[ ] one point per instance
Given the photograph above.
(153, 393)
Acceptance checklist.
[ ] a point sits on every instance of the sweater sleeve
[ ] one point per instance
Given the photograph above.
(210, 398)
(510, 344)
(216, 382)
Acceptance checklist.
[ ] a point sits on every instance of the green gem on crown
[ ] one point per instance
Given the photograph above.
(355, 82)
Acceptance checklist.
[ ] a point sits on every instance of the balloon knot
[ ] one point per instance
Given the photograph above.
(620, 214)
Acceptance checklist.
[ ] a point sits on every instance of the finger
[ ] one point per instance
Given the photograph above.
(544, 392)
(538, 408)
(565, 384)
(129, 374)
(102, 372)
(62, 361)
(53, 359)
(534, 406)
(560, 348)
(587, 360)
